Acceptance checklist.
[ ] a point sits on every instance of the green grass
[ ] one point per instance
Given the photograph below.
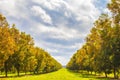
(62, 74)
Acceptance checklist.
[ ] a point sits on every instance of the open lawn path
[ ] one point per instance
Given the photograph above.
(62, 74)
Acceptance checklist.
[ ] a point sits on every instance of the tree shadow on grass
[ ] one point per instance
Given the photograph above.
(86, 75)
(12, 76)
(16, 76)
(23, 75)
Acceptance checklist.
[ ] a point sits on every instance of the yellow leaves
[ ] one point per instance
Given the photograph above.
(7, 43)
(3, 21)
(114, 7)
(18, 47)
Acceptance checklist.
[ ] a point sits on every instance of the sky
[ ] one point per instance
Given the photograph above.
(58, 26)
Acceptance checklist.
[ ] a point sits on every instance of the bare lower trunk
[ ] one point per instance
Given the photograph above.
(88, 71)
(1, 72)
(91, 72)
(115, 75)
(18, 70)
(105, 74)
(5, 67)
(95, 72)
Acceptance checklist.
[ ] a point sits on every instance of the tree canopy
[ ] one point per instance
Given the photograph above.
(101, 52)
(18, 53)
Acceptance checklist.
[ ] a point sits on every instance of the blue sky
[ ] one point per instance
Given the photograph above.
(58, 26)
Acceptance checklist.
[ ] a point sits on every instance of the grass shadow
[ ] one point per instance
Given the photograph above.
(12, 76)
(86, 75)
(23, 75)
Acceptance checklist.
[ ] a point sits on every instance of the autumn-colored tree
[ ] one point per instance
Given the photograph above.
(7, 43)
(45, 63)
(102, 46)
(18, 53)
(114, 7)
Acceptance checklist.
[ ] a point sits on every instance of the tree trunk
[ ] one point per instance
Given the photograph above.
(114, 72)
(88, 71)
(34, 72)
(95, 72)
(91, 72)
(105, 74)
(18, 71)
(1, 72)
(115, 75)
(5, 67)
(25, 72)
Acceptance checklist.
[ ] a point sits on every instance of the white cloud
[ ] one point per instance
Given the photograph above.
(108, 1)
(38, 11)
(52, 50)
(80, 8)
(106, 10)
(69, 20)
(58, 46)
(11, 8)
(84, 9)
(55, 5)
(60, 32)
(11, 5)
(62, 59)
(51, 4)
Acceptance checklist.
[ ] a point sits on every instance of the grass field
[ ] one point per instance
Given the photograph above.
(62, 74)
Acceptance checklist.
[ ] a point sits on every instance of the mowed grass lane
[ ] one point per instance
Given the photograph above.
(62, 74)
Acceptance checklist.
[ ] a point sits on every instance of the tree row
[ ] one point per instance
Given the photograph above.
(18, 53)
(101, 52)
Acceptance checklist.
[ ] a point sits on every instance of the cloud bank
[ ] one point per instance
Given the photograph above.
(58, 26)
